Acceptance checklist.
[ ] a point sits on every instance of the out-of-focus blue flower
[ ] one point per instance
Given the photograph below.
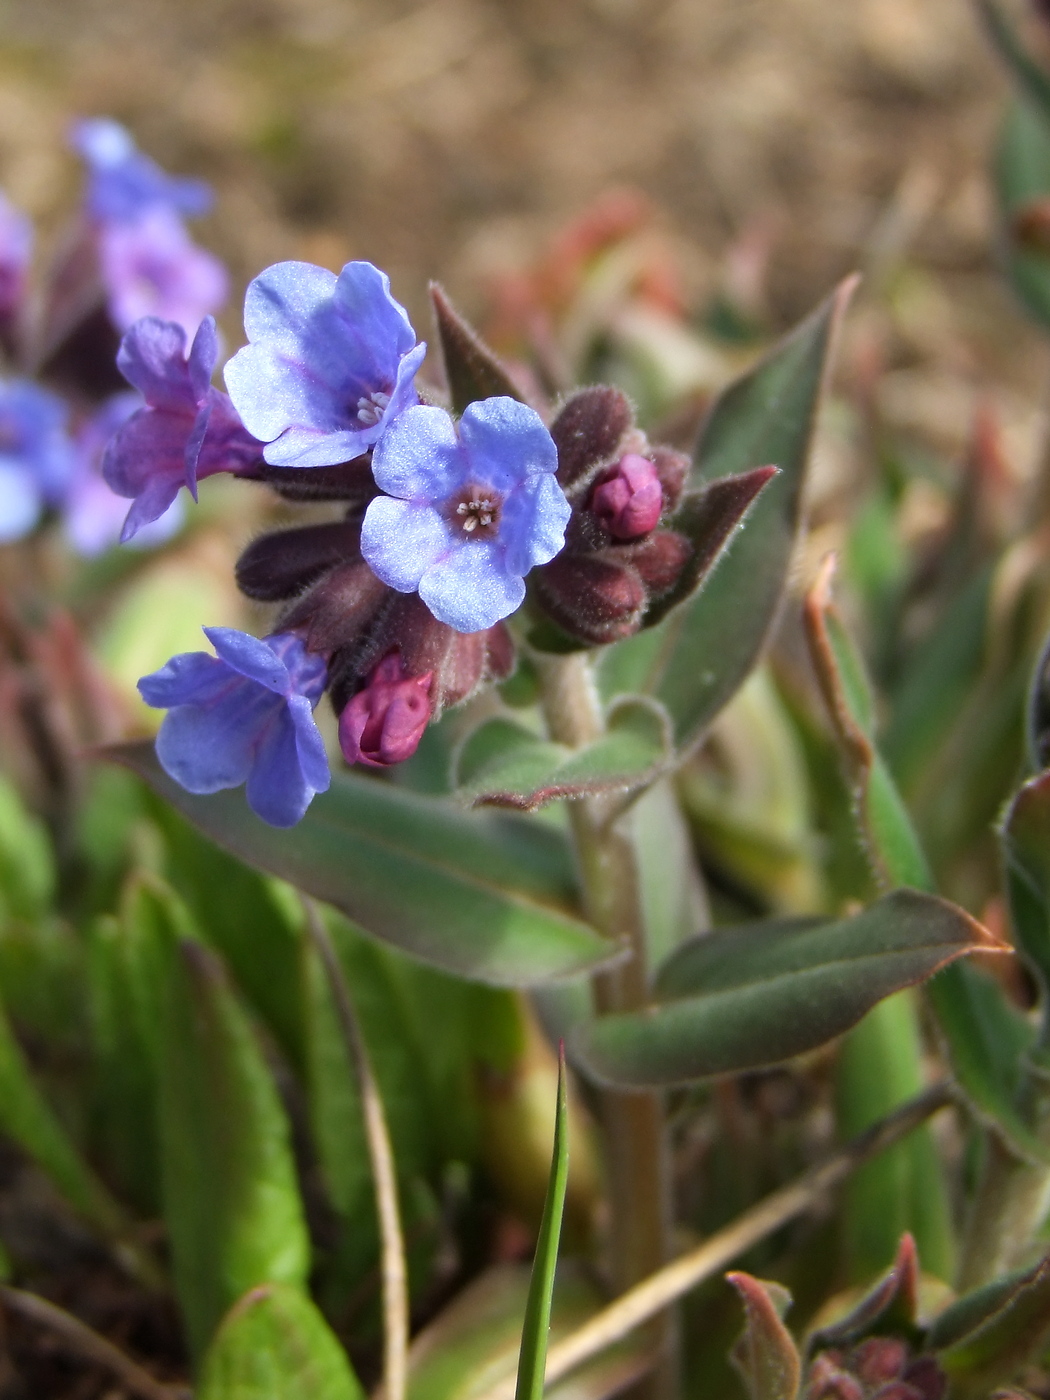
(244, 716)
(123, 182)
(92, 513)
(330, 364)
(466, 514)
(188, 429)
(36, 456)
(152, 267)
(16, 251)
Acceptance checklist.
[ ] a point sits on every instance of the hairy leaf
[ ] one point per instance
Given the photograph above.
(473, 370)
(738, 999)
(765, 1355)
(481, 896)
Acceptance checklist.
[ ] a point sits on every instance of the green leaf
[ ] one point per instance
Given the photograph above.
(231, 1200)
(275, 1345)
(481, 896)
(532, 1358)
(1022, 174)
(741, 998)
(473, 370)
(765, 1355)
(27, 867)
(503, 764)
(475, 1341)
(696, 660)
(1024, 837)
(1012, 1333)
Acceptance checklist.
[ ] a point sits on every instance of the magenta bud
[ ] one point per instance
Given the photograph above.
(383, 723)
(628, 498)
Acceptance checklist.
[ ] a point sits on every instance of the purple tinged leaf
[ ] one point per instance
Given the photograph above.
(472, 370)
(766, 1355)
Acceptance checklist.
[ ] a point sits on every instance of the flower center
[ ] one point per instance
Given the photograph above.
(371, 408)
(475, 512)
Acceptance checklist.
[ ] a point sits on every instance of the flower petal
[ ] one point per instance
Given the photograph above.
(278, 790)
(313, 760)
(378, 323)
(532, 530)
(282, 303)
(201, 360)
(400, 540)
(206, 749)
(471, 589)
(249, 657)
(152, 358)
(191, 678)
(418, 458)
(506, 442)
(20, 501)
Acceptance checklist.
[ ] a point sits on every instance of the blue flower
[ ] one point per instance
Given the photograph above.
(152, 267)
(36, 456)
(466, 515)
(244, 716)
(188, 429)
(92, 513)
(124, 183)
(330, 364)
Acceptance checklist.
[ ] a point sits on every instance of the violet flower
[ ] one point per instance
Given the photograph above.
(384, 722)
(92, 513)
(35, 455)
(466, 514)
(330, 364)
(244, 715)
(628, 498)
(188, 429)
(152, 267)
(123, 182)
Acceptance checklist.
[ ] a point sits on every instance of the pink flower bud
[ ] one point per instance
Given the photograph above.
(628, 498)
(384, 722)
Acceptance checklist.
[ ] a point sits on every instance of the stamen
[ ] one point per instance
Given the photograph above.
(371, 408)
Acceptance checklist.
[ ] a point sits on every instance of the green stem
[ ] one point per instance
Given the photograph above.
(633, 1123)
(1008, 1208)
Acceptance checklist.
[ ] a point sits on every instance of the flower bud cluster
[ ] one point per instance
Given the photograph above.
(879, 1368)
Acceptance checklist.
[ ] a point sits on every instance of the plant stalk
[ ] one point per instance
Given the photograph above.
(632, 1123)
(1009, 1206)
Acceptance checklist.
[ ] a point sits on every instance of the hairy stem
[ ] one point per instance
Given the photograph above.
(633, 1123)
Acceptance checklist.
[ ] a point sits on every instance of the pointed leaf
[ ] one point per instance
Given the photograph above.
(766, 1355)
(231, 1199)
(473, 370)
(1012, 1334)
(532, 1358)
(502, 764)
(735, 1000)
(480, 896)
(275, 1345)
(695, 662)
(1025, 840)
(709, 519)
(889, 1308)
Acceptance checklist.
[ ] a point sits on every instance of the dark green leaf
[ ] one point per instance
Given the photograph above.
(275, 1345)
(766, 1355)
(503, 764)
(745, 1000)
(480, 896)
(697, 659)
(232, 1206)
(473, 371)
(889, 1308)
(1010, 1335)
(1025, 839)
(27, 874)
(532, 1358)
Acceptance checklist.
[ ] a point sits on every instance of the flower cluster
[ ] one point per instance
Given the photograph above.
(442, 526)
(128, 256)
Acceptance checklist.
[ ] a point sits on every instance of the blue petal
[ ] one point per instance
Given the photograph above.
(249, 657)
(418, 458)
(404, 394)
(532, 530)
(471, 588)
(191, 678)
(20, 501)
(506, 442)
(316, 447)
(400, 540)
(203, 353)
(277, 790)
(282, 303)
(152, 358)
(313, 760)
(206, 749)
(379, 324)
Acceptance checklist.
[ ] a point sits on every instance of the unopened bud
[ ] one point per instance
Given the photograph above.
(588, 431)
(628, 498)
(660, 559)
(827, 1381)
(879, 1360)
(594, 598)
(383, 723)
(673, 470)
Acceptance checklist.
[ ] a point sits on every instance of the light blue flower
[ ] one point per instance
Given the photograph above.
(124, 183)
(36, 456)
(152, 267)
(467, 514)
(330, 364)
(244, 715)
